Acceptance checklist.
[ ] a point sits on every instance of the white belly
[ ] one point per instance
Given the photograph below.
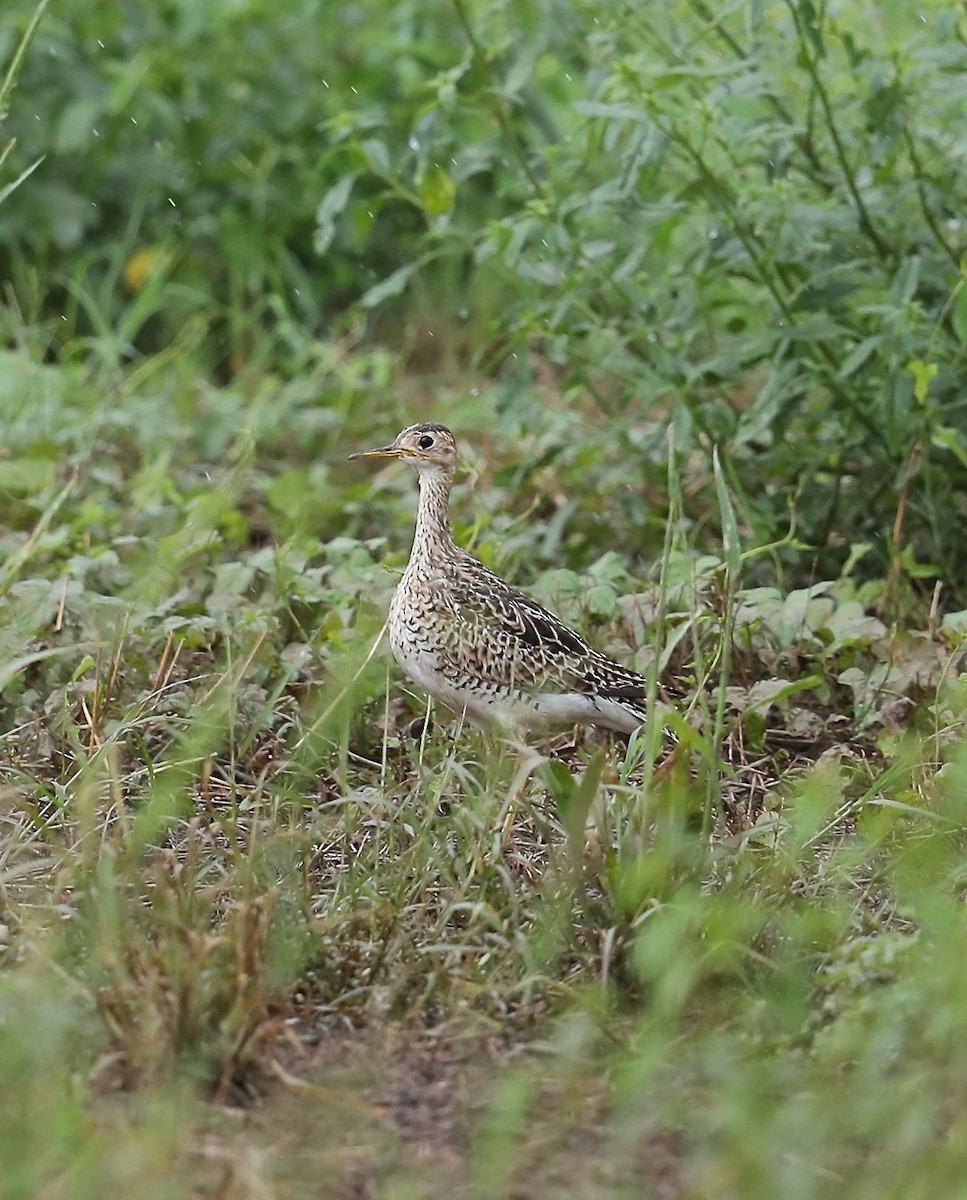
(498, 707)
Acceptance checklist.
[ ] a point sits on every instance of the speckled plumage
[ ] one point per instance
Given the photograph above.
(477, 644)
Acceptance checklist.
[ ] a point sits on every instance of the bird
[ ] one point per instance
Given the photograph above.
(482, 647)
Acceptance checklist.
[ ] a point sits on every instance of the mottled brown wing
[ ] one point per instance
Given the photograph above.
(522, 644)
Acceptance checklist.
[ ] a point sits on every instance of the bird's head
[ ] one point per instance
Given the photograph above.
(427, 447)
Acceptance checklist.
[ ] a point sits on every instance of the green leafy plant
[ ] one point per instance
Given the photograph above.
(7, 85)
(686, 284)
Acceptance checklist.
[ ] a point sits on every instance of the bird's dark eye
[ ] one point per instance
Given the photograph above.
(425, 442)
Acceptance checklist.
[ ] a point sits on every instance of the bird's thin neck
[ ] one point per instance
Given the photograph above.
(433, 533)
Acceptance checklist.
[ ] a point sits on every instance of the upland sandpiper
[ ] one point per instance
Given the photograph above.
(482, 647)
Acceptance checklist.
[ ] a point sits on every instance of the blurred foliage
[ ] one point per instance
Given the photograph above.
(688, 283)
(744, 224)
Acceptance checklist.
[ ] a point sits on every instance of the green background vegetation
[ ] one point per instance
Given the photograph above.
(688, 283)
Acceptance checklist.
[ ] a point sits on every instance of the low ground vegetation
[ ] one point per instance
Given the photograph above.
(266, 931)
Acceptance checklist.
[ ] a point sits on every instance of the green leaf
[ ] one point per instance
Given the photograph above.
(23, 476)
(730, 528)
(84, 665)
(392, 285)
(922, 373)
(75, 130)
(811, 27)
(958, 314)
(438, 192)
(917, 570)
(330, 207)
(858, 356)
(614, 112)
(559, 781)
(905, 281)
(573, 797)
(857, 551)
(775, 691)
(947, 438)
(956, 622)
(377, 156)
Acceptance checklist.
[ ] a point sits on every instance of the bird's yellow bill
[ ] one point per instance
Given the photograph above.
(382, 452)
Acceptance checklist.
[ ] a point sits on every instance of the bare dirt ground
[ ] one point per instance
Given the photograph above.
(351, 1114)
